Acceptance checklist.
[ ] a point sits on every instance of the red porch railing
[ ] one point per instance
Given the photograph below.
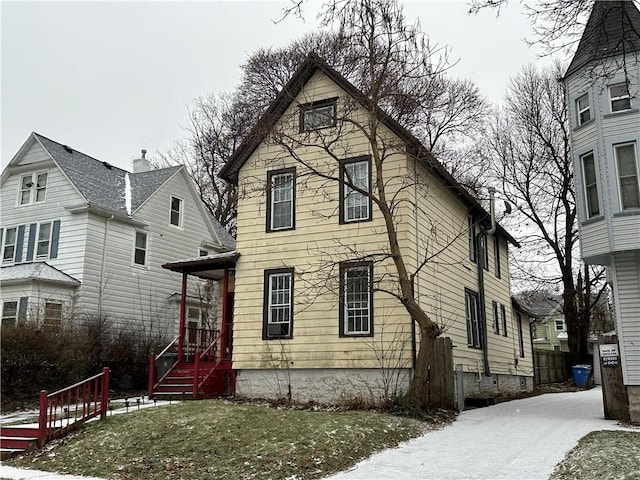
(66, 409)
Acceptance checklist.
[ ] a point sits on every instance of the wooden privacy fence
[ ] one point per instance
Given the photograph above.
(551, 367)
(440, 381)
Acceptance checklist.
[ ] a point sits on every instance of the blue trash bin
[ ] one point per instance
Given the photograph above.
(581, 375)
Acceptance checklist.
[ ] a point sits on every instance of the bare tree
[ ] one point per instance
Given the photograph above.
(531, 154)
(559, 24)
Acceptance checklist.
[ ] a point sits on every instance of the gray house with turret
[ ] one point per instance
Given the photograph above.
(603, 90)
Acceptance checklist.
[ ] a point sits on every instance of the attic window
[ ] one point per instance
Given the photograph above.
(33, 188)
(316, 115)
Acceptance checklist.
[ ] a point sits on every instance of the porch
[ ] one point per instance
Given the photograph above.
(197, 363)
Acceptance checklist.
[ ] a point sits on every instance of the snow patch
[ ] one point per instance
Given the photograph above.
(127, 193)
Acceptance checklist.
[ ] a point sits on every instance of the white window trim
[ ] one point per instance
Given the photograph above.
(615, 158)
(5, 317)
(580, 111)
(622, 97)
(345, 306)
(4, 244)
(146, 250)
(180, 212)
(33, 190)
(273, 201)
(37, 257)
(585, 190)
(562, 327)
(348, 191)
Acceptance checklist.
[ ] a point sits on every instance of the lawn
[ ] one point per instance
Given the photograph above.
(224, 440)
(602, 455)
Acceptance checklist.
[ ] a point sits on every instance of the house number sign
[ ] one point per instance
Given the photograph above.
(609, 355)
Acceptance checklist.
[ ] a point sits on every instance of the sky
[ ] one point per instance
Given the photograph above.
(112, 78)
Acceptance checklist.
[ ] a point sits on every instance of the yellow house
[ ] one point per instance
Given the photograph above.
(317, 308)
(318, 313)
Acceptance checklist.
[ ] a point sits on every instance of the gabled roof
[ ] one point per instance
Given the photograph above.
(103, 185)
(613, 29)
(36, 271)
(312, 64)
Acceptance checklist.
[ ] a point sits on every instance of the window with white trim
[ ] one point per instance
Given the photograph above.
(9, 245)
(277, 319)
(583, 108)
(472, 314)
(316, 115)
(9, 314)
(43, 241)
(33, 188)
(620, 98)
(140, 249)
(590, 182)
(354, 186)
(281, 199)
(175, 212)
(559, 325)
(356, 299)
(627, 163)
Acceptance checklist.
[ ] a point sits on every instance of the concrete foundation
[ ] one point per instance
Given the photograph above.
(633, 393)
(478, 386)
(323, 385)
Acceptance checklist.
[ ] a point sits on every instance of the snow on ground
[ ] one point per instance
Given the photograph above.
(521, 439)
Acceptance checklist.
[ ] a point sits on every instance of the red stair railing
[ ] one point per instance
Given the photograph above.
(66, 409)
(210, 353)
(170, 349)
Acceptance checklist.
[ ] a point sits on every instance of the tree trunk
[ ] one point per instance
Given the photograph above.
(419, 390)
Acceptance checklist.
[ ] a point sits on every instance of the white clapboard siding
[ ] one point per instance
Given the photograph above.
(627, 295)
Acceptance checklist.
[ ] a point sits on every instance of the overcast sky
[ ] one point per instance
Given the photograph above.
(111, 78)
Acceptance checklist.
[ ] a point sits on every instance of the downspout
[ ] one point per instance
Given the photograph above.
(480, 264)
(104, 260)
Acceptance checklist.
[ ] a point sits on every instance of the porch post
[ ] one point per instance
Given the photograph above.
(183, 302)
(223, 322)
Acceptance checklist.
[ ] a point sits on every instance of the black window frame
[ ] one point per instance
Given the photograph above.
(496, 319)
(342, 190)
(473, 246)
(265, 303)
(274, 173)
(342, 320)
(473, 341)
(318, 104)
(503, 314)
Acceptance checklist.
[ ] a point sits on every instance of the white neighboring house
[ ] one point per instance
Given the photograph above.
(81, 237)
(603, 94)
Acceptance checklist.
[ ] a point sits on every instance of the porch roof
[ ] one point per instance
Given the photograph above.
(210, 267)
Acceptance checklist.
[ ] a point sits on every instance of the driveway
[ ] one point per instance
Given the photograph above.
(521, 439)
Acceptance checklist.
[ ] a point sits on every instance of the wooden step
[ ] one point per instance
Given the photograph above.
(7, 453)
(18, 443)
(18, 431)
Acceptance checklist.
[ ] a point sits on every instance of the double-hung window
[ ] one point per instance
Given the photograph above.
(590, 184)
(43, 241)
(52, 316)
(472, 238)
(473, 321)
(175, 214)
(496, 320)
(627, 161)
(620, 98)
(9, 314)
(559, 326)
(277, 321)
(281, 200)
(9, 245)
(485, 251)
(583, 108)
(355, 184)
(140, 249)
(316, 115)
(356, 299)
(33, 188)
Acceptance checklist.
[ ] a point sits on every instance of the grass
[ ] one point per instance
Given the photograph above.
(224, 440)
(602, 455)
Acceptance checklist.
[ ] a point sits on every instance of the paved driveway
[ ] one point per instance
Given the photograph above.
(521, 439)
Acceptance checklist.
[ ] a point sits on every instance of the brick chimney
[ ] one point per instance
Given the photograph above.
(141, 164)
